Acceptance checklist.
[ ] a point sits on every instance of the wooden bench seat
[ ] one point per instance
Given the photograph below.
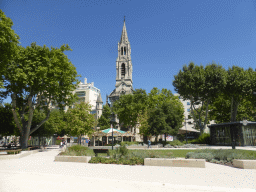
(96, 151)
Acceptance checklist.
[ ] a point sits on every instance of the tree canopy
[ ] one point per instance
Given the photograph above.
(104, 121)
(9, 41)
(158, 112)
(201, 86)
(129, 106)
(79, 121)
(8, 126)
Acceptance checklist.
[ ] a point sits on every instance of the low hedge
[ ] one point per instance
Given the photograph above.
(75, 150)
(220, 155)
(123, 161)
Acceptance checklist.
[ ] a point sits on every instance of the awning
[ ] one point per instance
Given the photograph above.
(108, 132)
(187, 129)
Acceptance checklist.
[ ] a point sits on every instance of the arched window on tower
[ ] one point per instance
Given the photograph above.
(122, 50)
(123, 70)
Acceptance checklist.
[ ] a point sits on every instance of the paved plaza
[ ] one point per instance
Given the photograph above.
(38, 172)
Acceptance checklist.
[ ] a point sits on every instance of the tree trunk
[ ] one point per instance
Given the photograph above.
(39, 141)
(234, 109)
(206, 115)
(24, 142)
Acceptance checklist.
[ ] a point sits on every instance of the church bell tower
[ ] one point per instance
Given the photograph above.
(123, 68)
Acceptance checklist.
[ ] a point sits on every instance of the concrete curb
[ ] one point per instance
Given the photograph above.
(199, 163)
(244, 163)
(82, 159)
(20, 155)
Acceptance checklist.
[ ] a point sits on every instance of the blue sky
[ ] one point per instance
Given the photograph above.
(164, 35)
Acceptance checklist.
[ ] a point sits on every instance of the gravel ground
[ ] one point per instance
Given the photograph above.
(38, 172)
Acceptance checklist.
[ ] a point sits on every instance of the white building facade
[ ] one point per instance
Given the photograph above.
(88, 93)
(190, 124)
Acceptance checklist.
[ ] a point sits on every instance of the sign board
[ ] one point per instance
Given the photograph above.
(169, 138)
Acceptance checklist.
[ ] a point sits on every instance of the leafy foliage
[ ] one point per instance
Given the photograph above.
(56, 121)
(201, 86)
(36, 77)
(104, 121)
(75, 150)
(9, 41)
(129, 106)
(79, 120)
(157, 112)
(45, 130)
(8, 126)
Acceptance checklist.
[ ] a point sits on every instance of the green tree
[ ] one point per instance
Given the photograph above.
(240, 86)
(166, 118)
(201, 86)
(79, 121)
(6, 121)
(220, 112)
(56, 121)
(128, 107)
(36, 77)
(157, 97)
(8, 44)
(104, 121)
(45, 130)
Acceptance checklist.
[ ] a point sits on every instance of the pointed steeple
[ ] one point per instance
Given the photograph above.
(99, 99)
(124, 36)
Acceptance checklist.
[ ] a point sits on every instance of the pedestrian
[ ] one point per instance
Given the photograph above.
(149, 143)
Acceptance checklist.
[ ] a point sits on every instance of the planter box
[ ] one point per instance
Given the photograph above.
(244, 164)
(21, 154)
(199, 163)
(83, 159)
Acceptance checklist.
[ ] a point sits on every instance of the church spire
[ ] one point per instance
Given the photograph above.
(124, 36)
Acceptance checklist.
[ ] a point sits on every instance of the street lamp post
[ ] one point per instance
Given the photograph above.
(112, 136)
(98, 128)
(186, 132)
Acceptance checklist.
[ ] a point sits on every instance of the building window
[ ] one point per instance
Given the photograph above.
(188, 110)
(188, 103)
(123, 70)
(124, 50)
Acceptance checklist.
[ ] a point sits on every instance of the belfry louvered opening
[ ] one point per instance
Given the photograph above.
(123, 70)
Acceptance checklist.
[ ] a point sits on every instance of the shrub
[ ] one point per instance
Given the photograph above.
(195, 155)
(57, 142)
(129, 143)
(204, 139)
(136, 161)
(175, 142)
(75, 150)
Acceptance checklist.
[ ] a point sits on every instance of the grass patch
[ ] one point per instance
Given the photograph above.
(221, 155)
(76, 150)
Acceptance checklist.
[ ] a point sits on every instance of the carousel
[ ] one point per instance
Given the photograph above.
(104, 137)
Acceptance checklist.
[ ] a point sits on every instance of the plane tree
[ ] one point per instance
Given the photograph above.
(201, 86)
(37, 77)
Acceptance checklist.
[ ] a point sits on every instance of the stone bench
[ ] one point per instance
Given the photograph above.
(96, 151)
(199, 163)
(83, 159)
(244, 164)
